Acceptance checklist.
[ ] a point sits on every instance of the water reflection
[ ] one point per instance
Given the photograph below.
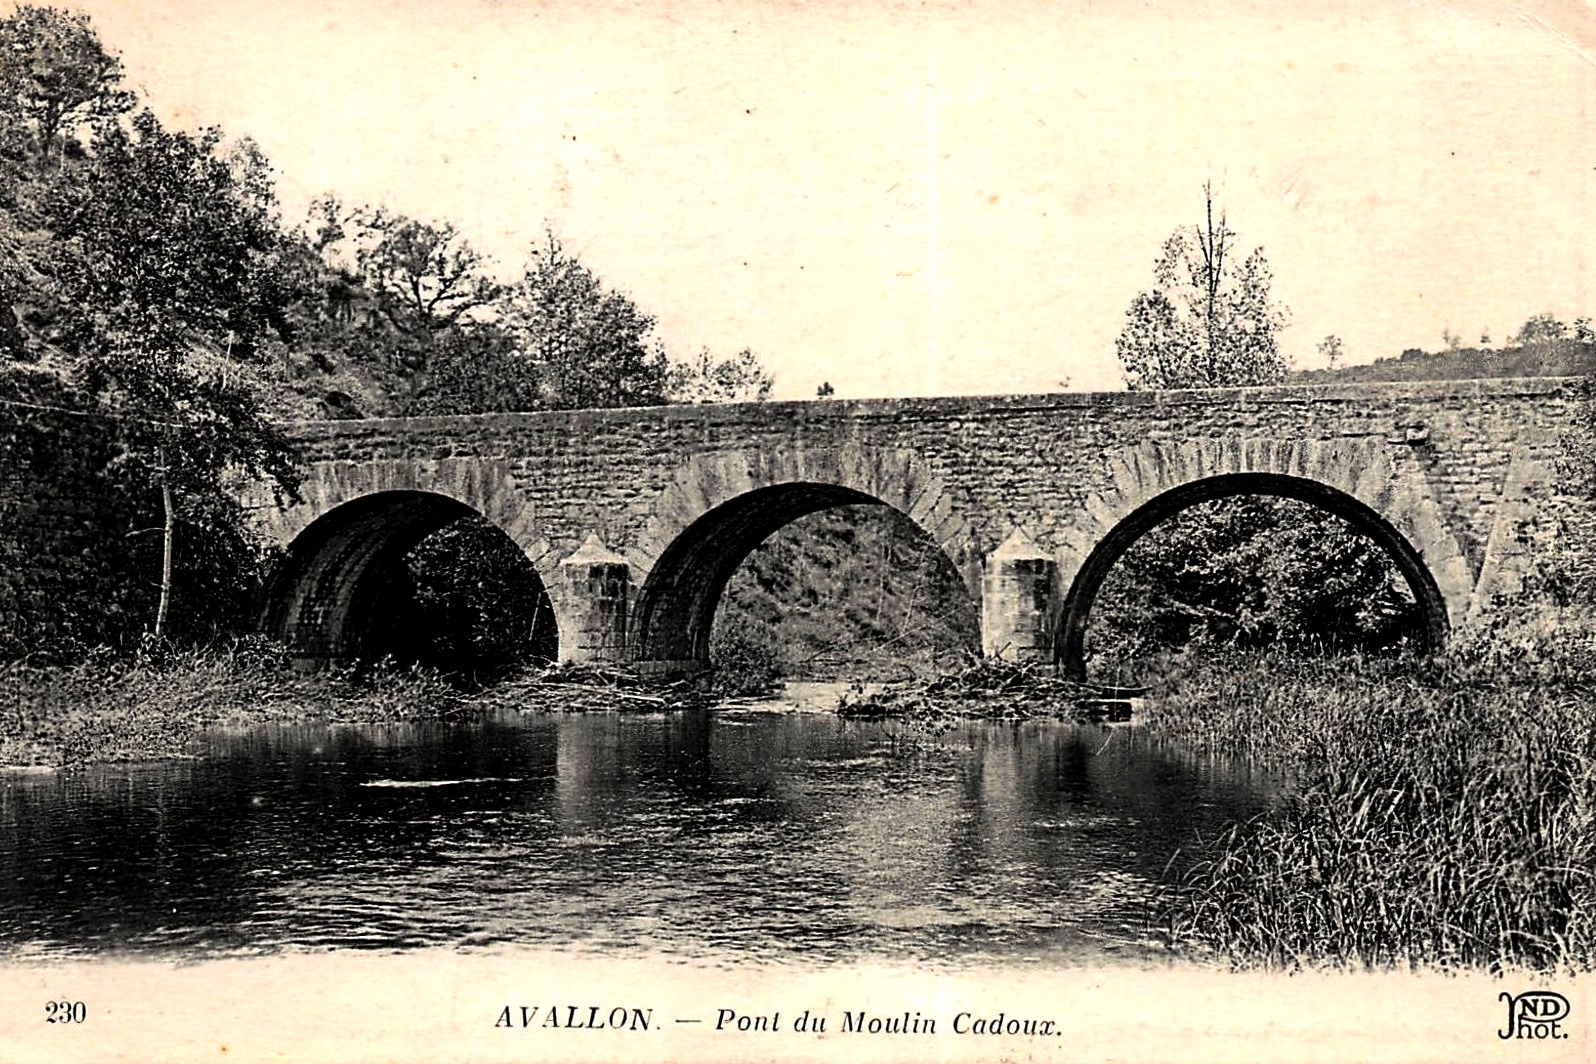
(737, 834)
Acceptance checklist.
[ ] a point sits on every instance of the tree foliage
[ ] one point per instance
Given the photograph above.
(1250, 572)
(426, 277)
(1540, 328)
(148, 272)
(588, 345)
(56, 81)
(1209, 320)
(478, 609)
(848, 591)
(145, 272)
(705, 379)
(1331, 350)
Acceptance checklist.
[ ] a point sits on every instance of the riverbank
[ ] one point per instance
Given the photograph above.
(104, 710)
(1440, 814)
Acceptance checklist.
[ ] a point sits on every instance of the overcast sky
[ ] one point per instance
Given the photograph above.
(936, 198)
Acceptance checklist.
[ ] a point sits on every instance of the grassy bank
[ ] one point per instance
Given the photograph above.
(154, 707)
(1439, 814)
(109, 710)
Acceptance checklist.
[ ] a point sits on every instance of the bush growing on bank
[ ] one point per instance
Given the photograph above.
(747, 659)
(1438, 814)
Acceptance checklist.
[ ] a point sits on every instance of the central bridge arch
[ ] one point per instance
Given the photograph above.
(719, 507)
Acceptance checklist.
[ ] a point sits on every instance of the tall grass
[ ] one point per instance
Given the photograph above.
(1437, 813)
(153, 706)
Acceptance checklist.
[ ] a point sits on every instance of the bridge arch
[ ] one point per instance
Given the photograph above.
(1374, 487)
(719, 507)
(354, 524)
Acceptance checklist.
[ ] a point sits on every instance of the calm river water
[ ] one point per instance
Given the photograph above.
(722, 835)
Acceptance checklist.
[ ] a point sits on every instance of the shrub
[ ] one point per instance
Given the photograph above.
(746, 659)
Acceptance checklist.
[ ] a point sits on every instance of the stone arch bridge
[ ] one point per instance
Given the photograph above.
(635, 519)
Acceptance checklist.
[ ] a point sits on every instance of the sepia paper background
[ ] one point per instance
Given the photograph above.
(980, 310)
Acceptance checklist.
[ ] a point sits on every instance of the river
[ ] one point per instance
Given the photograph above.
(753, 832)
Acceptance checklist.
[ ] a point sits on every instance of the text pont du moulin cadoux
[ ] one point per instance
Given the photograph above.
(861, 1021)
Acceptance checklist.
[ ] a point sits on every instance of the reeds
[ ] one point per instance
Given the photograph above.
(1437, 814)
(152, 707)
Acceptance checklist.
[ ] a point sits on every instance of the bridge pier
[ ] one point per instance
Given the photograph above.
(595, 586)
(1019, 595)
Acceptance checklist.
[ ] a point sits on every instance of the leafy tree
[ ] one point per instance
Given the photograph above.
(142, 272)
(1208, 321)
(427, 277)
(589, 346)
(55, 81)
(471, 369)
(411, 306)
(704, 379)
(165, 254)
(1330, 349)
(847, 591)
(1249, 570)
(1540, 328)
(479, 609)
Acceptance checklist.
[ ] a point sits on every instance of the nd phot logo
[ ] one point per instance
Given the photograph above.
(1534, 1014)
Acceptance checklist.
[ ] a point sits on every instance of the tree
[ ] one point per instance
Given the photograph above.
(1247, 570)
(1207, 322)
(427, 276)
(589, 346)
(1540, 328)
(165, 254)
(55, 80)
(402, 314)
(471, 368)
(739, 379)
(1330, 349)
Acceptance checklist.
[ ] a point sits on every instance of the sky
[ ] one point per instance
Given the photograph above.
(934, 198)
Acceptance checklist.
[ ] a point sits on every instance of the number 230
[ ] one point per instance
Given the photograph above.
(65, 1012)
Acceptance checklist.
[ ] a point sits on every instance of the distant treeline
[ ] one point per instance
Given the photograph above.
(1542, 358)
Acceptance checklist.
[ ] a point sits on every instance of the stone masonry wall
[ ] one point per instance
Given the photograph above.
(974, 471)
(1013, 462)
(63, 552)
(1477, 456)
